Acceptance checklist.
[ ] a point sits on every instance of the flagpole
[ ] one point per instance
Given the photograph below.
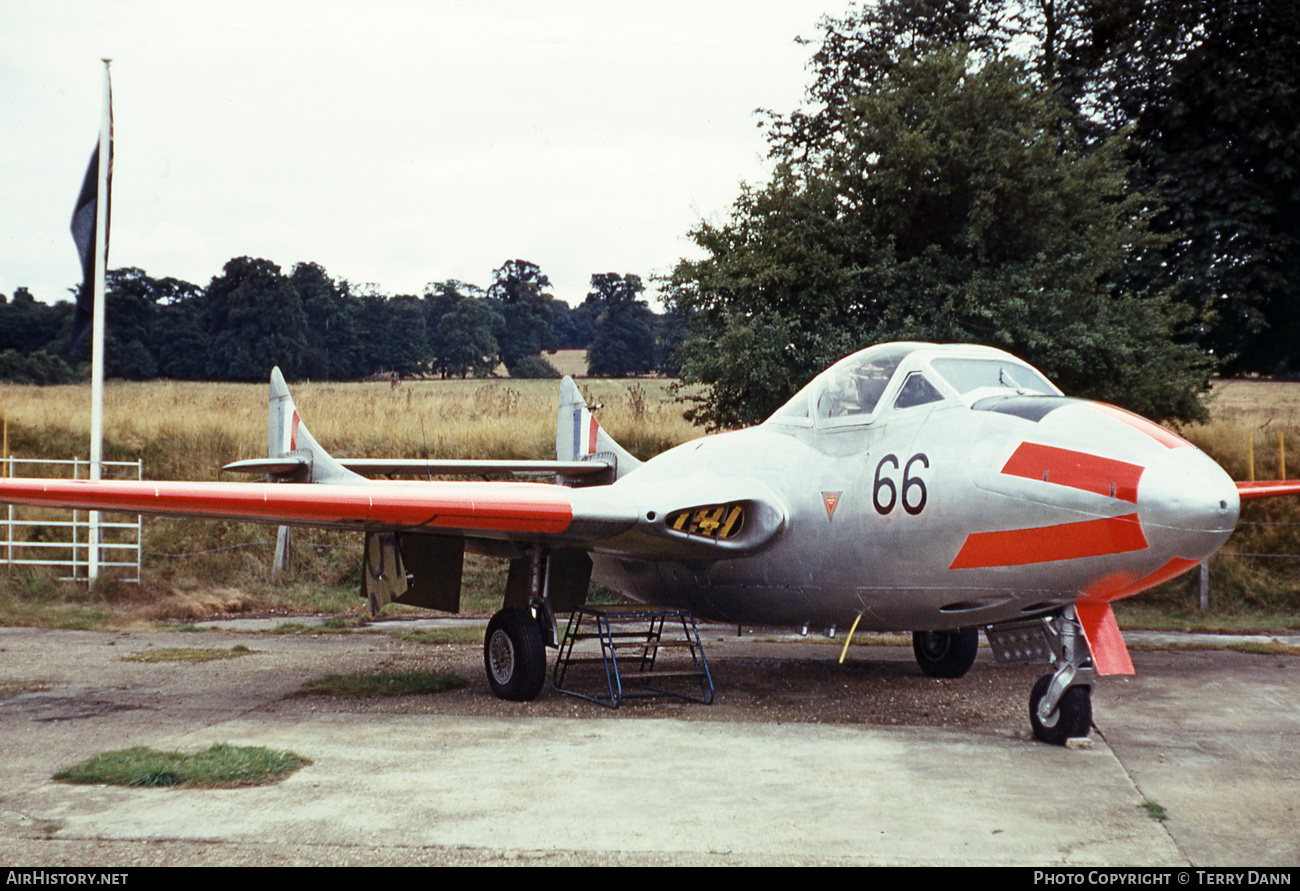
(97, 325)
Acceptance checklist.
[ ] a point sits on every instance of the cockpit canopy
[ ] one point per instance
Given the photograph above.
(892, 377)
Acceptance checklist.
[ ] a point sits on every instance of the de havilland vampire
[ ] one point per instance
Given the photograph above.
(936, 489)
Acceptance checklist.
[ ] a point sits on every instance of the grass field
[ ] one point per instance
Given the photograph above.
(197, 568)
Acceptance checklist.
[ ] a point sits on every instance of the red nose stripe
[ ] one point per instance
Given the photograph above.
(1045, 544)
(1166, 438)
(1078, 470)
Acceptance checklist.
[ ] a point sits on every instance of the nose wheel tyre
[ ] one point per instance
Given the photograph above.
(1072, 718)
(514, 655)
(946, 654)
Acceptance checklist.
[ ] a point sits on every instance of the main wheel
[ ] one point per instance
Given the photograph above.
(946, 654)
(514, 655)
(1072, 718)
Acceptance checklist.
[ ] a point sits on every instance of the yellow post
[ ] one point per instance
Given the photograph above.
(848, 640)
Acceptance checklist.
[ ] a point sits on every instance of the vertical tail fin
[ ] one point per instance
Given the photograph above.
(578, 436)
(287, 436)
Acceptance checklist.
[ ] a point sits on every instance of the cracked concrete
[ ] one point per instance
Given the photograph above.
(878, 776)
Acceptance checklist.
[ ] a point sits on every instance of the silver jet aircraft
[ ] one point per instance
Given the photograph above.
(936, 489)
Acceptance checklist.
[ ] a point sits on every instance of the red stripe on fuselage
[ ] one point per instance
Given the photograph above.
(1046, 544)
(1078, 470)
(1121, 585)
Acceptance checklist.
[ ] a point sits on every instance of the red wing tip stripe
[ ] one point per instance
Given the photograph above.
(1077, 470)
(1048, 544)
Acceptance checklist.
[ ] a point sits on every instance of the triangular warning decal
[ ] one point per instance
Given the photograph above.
(830, 499)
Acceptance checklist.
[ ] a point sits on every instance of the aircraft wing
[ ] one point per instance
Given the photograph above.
(427, 466)
(494, 510)
(693, 521)
(1267, 489)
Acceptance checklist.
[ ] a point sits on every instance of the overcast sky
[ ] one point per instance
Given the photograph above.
(394, 143)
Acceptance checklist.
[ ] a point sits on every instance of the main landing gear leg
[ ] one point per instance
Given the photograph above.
(514, 648)
(1060, 706)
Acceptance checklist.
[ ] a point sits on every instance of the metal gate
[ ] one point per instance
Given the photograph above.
(45, 537)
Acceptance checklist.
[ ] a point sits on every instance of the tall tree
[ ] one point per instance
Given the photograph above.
(522, 292)
(624, 344)
(1209, 91)
(254, 321)
(333, 348)
(27, 325)
(391, 330)
(955, 207)
(463, 342)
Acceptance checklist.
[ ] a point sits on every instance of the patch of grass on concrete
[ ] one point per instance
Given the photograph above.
(188, 654)
(333, 625)
(1257, 647)
(455, 635)
(386, 683)
(1155, 810)
(222, 766)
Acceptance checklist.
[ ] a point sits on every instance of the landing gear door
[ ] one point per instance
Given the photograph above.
(413, 568)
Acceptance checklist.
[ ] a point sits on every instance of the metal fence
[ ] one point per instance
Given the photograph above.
(45, 537)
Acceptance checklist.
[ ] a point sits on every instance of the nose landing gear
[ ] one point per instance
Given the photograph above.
(1060, 705)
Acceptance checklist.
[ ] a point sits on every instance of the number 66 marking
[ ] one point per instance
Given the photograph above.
(909, 484)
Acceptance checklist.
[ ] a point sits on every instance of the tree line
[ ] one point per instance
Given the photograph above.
(1110, 190)
(254, 316)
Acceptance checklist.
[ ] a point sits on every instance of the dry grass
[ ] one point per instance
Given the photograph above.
(187, 430)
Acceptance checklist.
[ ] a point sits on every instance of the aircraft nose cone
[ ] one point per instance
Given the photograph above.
(1187, 494)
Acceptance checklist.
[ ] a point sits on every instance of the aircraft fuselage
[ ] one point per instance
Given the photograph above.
(939, 515)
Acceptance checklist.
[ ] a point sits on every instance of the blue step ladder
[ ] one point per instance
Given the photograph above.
(609, 654)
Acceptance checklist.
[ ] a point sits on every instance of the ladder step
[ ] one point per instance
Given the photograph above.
(668, 630)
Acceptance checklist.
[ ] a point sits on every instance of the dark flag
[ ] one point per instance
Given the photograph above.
(83, 233)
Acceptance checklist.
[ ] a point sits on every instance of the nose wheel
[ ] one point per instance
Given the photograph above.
(1071, 718)
(1060, 705)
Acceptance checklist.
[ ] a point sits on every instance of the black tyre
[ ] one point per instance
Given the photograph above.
(514, 655)
(1072, 718)
(946, 654)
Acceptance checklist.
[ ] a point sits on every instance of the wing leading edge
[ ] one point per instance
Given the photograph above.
(505, 510)
(1248, 491)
